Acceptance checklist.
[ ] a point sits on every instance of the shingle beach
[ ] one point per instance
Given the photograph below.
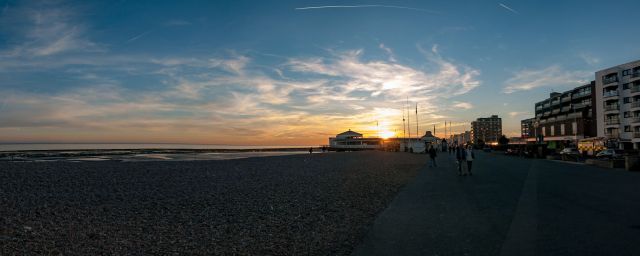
(320, 204)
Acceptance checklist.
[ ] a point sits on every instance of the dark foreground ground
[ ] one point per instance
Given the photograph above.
(511, 206)
(288, 205)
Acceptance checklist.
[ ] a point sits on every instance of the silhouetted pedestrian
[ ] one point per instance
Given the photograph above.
(459, 158)
(432, 154)
(469, 156)
(311, 150)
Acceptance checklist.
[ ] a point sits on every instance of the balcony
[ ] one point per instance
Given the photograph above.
(612, 121)
(635, 74)
(581, 94)
(555, 111)
(579, 105)
(636, 134)
(565, 99)
(635, 119)
(635, 104)
(538, 107)
(561, 118)
(555, 102)
(546, 105)
(609, 80)
(611, 107)
(610, 94)
(565, 109)
(635, 89)
(612, 134)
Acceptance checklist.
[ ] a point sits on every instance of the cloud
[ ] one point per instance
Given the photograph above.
(228, 98)
(552, 76)
(462, 105)
(514, 114)
(508, 8)
(388, 51)
(44, 29)
(589, 59)
(138, 36)
(363, 6)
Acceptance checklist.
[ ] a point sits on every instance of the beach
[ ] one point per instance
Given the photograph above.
(315, 204)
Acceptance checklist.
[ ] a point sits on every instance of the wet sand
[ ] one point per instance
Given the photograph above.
(287, 205)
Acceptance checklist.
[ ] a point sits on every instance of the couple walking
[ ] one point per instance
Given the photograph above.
(465, 155)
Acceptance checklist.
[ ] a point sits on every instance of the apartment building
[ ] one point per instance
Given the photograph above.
(526, 127)
(487, 129)
(565, 117)
(618, 108)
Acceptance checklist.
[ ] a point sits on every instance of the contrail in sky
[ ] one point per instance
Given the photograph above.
(362, 6)
(508, 8)
(138, 36)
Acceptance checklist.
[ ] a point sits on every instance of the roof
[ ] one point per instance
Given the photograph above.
(350, 133)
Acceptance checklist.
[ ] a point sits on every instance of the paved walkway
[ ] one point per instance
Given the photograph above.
(511, 206)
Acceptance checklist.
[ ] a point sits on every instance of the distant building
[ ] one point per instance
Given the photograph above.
(487, 129)
(461, 138)
(618, 104)
(564, 118)
(526, 126)
(351, 140)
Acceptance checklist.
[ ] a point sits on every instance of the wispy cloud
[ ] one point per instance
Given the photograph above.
(462, 105)
(589, 59)
(364, 6)
(388, 51)
(508, 8)
(50, 30)
(552, 76)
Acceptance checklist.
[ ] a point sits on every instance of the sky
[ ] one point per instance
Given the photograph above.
(291, 72)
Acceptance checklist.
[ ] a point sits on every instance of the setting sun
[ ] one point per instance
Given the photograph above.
(386, 134)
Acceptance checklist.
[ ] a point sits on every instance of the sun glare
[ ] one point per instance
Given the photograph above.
(386, 134)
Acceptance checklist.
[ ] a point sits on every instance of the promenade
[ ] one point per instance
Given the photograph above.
(511, 206)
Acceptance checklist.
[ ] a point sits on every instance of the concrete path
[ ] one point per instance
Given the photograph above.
(511, 206)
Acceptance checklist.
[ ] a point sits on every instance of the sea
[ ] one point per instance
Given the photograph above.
(140, 152)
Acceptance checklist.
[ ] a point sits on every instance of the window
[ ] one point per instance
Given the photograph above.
(626, 99)
(627, 128)
(553, 131)
(574, 127)
(561, 129)
(625, 86)
(626, 72)
(544, 131)
(627, 114)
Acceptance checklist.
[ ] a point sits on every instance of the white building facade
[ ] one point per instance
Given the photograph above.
(618, 104)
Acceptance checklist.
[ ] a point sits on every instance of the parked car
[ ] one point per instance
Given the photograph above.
(512, 151)
(610, 154)
(570, 152)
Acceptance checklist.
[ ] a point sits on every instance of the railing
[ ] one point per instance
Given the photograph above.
(546, 105)
(636, 134)
(546, 113)
(565, 109)
(539, 108)
(610, 94)
(635, 104)
(555, 111)
(579, 105)
(555, 102)
(635, 89)
(565, 99)
(612, 135)
(611, 107)
(635, 119)
(560, 118)
(635, 74)
(612, 121)
(581, 94)
(608, 80)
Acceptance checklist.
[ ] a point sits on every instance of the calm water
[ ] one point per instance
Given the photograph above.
(20, 147)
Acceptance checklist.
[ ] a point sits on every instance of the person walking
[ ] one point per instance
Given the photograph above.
(459, 158)
(469, 156)
(432, 155)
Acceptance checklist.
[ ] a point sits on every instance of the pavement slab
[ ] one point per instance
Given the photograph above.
(511, 206)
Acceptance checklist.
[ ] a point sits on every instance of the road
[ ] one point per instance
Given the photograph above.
(511, 206)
